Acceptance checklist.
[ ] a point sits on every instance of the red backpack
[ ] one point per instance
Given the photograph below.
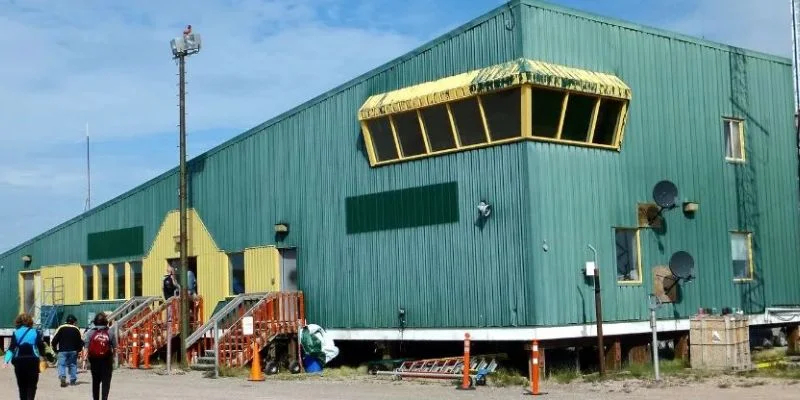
(100, 344)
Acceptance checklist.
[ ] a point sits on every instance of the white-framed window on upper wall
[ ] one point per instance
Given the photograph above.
(628, 255)
(733, 129)
(742, 256)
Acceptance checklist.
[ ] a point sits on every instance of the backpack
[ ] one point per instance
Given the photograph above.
(100, 344)
(25, 350)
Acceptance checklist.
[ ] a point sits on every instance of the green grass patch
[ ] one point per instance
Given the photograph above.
(769, 355)
(505, 378)
(229, 372)
(564, 376)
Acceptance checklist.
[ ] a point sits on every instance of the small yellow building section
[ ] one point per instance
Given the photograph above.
(262, 269)
(213, 270)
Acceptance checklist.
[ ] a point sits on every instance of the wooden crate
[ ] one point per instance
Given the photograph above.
(720, 343)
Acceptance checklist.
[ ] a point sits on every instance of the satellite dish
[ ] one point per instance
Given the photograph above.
(682, 265)
(665, 193)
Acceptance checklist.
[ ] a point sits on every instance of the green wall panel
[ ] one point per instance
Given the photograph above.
(404, 208)
(118, 243)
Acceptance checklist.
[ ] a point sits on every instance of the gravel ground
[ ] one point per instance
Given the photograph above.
(152, 385)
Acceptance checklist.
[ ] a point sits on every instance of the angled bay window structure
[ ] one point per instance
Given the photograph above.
(518, 100)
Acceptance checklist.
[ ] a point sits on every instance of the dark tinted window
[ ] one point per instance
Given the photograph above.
(578, 118)
(409, 134)
(380, 132)
(437, 127)
(469, 124)
(606, 125)
(502, 110)
(546, 112)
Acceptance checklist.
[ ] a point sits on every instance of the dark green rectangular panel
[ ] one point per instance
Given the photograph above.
(405, 208)
(117, 243)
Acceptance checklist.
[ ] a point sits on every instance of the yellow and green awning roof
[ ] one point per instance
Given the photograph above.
(496, 77)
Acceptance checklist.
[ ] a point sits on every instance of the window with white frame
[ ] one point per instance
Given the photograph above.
(734, 139)
(629, 268)
(742, 255)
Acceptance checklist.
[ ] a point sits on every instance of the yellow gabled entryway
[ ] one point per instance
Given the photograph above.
(213, 281)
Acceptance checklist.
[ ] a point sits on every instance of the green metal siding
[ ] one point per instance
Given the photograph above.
(301, 167)
(681, 90)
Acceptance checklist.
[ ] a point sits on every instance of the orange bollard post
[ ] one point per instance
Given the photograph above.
(466, 380)
(147, 347)
(534, 367)
(133, 363)
(256, 374)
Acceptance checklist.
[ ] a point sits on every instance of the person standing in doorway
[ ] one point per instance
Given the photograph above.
(25, 353)
(100, 346)
(68, 342)
(170, 284)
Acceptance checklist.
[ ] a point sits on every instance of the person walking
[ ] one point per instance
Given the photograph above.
(100, 346)
(67, 343)
(25, 353)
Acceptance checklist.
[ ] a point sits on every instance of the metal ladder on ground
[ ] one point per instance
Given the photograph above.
(445, 368)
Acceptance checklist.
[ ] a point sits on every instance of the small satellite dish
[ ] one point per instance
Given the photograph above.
(665, 193)
(682, 266)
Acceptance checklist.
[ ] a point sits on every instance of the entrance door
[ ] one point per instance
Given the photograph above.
(31, 294)
(288, 269)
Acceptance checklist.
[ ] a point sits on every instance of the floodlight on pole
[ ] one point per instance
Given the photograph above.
(182, 46)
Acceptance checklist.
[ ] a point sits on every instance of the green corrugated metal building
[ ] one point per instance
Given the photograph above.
(562, 121)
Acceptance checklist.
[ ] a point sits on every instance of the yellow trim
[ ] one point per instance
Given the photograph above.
(638, 241)
(526, 105)
(513, 73)
(424, 133)
(593, 124)
(740, 123)
(453, 126)
(563, 116)
(619, 126)
(486, 132)
(95, 282)
(396, 139)
(128, 281)
(368, 143)
(750, 262)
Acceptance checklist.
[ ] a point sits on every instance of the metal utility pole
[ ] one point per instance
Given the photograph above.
(182, 47)
(598, 310)
(653, 305)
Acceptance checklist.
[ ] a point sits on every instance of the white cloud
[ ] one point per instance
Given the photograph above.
(112, 66)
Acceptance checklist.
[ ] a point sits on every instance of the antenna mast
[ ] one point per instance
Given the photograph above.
(88, 205)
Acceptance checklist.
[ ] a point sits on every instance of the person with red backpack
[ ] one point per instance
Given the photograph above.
(100, 346)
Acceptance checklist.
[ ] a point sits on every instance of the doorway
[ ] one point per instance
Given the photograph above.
(191, 262)
(288, 268)
(31, 299)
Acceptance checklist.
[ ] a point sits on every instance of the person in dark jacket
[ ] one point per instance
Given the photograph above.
(67, 343)
(100, 339)
(25, 353)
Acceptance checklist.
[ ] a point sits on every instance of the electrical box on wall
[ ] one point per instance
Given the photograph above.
(590, 268)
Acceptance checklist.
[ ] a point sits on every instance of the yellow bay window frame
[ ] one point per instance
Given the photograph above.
(522, 75)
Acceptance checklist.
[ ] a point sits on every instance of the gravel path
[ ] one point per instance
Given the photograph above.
(149, 385)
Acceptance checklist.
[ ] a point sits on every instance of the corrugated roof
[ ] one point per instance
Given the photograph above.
(491, 78)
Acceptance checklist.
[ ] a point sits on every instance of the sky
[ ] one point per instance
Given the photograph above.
(66, 64)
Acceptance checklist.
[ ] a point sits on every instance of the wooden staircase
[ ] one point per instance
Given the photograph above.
(150, 324)
(275, 314)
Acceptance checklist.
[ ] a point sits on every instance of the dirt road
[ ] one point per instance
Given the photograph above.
(149, 385)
